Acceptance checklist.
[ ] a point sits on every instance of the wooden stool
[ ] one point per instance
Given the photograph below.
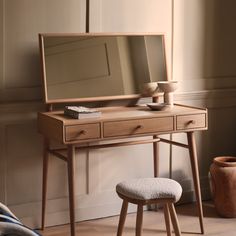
(150, 191)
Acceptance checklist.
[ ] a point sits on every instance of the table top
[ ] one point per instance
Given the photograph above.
(124, 113)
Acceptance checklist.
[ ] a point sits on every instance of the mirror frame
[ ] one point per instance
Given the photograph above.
(97, 98)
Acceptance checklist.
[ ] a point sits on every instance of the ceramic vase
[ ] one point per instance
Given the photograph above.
(168, 87)
(149, 88)
(223, 185)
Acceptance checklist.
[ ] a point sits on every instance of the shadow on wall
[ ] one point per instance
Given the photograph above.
(207, 37)
(220, 37)
(219, 74)
(219, 67)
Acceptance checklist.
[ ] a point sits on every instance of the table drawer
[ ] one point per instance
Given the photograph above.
(81, 132)
(139, 126)
(191, 121)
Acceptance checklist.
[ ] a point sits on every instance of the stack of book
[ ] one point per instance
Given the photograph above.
(79, 112)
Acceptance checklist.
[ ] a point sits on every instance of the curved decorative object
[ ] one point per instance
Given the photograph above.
(168, 87)
(149, 89)
(157, 106)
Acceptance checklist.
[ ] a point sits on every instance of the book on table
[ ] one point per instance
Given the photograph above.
(80, 112)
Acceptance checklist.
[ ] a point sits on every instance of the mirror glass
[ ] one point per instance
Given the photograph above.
(99, 66)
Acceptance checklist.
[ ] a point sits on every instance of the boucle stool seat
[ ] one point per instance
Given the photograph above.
(144, 191)
(150, 188)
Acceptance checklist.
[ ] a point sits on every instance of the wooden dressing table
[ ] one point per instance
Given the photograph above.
(117, 124)
(79, 68)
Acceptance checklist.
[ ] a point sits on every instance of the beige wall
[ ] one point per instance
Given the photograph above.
(204, 48)
(203, 57)
(134, 16)
(203, 62)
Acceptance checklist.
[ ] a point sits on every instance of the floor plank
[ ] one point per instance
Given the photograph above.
(153, 224)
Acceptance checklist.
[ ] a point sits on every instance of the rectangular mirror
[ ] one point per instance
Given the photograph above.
(93, 67)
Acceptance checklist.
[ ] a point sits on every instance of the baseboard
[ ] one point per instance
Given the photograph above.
(188, 195)
(58, 214)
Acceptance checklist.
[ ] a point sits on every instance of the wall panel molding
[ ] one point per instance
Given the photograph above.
(203, 45)
(20, 23)
(95, 16)
(192, 83)
(21, 94)
(23, 108)
(217, 98)
(1, 44)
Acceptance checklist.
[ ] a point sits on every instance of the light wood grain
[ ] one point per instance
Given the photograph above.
(71, 184)
(124, 122)
(139, 220)
(124, 113)
(191, 121)
(137, 126)
(86, 35)
(156, 159)
(44, 185)
(167, 219)
(123, 214)
(195, 172)
(121, 122)
(174, 219)
(168, 208)
(80, 132)
(51, 128)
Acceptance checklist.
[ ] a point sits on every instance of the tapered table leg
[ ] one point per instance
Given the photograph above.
(44, 187)
(156, 157)
(196, 179)
(156, 163)
(156, 149)
(70, 165)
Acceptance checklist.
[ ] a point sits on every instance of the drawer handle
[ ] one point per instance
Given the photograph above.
(82, 132)
(193, 122)
(139, 127)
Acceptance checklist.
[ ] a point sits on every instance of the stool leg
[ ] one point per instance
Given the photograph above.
(123, 214)
(167, 219)
(139, 220)
(174, 219)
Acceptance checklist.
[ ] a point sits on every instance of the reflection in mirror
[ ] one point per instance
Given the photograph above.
(85, 66)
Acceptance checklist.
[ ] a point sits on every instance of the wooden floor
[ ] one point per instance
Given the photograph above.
(153, 224)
